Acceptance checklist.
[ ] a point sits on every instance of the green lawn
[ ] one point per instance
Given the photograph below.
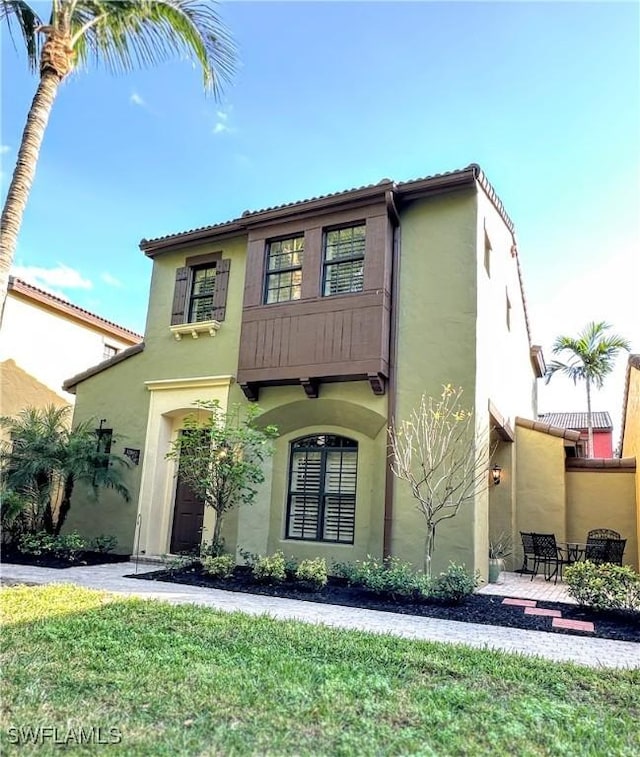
(191, 681)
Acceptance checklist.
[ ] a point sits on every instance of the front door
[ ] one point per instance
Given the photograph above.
(188, 513)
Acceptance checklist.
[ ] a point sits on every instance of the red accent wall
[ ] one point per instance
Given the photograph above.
(602, 444)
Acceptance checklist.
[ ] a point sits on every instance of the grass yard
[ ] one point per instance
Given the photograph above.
(180, 680)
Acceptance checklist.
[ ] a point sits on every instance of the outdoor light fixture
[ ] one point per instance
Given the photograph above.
(496, 474)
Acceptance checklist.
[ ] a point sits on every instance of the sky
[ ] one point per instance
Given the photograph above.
(544, 96)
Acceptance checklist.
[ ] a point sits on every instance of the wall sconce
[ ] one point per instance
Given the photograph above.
(496, 474)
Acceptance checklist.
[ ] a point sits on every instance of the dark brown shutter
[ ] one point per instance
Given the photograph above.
(180, 296)
(220, 293)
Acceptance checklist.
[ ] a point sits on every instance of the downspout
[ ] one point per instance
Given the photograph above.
(392, 212)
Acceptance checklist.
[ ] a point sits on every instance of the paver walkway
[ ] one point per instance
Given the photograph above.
(583, 651)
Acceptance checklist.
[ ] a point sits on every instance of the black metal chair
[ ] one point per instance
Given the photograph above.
(527, 548)
(547, 553)
(603, 533)
(615, 550)
(596, 550)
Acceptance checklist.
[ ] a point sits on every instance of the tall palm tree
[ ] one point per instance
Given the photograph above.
(45, 459)
(590, 358)
(121, 34)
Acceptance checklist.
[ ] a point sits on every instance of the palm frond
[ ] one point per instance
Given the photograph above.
(122, 35)
(21, 13)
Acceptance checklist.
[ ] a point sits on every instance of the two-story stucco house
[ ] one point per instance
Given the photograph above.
(335, 314)
(43, 340)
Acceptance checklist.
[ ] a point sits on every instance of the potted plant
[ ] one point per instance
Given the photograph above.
(499, 548)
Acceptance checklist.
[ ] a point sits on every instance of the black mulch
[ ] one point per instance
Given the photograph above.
(479, 608)
(10, 555)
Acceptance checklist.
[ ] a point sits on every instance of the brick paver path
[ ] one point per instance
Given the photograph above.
(567, 648)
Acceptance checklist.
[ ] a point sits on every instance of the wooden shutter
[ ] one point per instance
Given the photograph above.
(178, 314)
(220, 293)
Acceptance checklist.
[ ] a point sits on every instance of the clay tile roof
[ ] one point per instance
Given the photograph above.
(64, 306)
(547, 428)
(472, 171)
(600, 420)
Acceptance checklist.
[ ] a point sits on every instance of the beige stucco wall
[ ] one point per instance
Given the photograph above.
(631, 440)
(603, 499)
(453, 329)
(436, 346)
(349, 409)
(541, 493)
(49, 345)
(122, 396)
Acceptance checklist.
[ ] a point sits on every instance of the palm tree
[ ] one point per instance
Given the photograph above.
(590, 358)
(43, 461)
(121, 34)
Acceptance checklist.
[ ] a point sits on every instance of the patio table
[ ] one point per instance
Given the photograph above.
(575, 550)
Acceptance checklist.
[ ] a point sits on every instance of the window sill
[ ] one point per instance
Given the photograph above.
(202, 327)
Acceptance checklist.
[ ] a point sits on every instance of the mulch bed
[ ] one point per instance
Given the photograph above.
(479, 608)
(11, 555)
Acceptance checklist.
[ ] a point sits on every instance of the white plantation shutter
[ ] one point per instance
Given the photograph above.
(306, 470)
(322, 489)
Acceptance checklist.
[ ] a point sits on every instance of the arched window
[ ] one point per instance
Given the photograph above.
(321, 505)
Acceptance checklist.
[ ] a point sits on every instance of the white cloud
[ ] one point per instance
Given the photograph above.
(52, 280)
(110, 280)
(4, 149)
(221, 125)
(135, 99)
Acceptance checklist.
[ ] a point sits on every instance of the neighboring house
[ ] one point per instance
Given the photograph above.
(602, 430)
(335, 313)
(43, 340)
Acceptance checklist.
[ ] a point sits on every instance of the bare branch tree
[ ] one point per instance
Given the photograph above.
(438, 452)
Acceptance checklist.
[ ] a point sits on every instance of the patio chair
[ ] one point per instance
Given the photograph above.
(603, 533)
(547, 553)
(596, 550)
(615, 550)
(527, 548)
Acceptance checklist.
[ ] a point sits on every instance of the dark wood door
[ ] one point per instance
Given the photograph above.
(188, 513)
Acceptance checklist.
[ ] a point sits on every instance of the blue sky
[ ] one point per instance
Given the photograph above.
(544, 96)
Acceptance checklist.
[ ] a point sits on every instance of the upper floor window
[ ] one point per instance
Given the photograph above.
(284, 270)
(344, 260)
(109, 351)
(203, 283)
(200, 291)
(322, 489)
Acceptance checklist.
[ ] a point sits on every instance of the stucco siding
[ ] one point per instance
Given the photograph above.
(603, 499)
(435, 346)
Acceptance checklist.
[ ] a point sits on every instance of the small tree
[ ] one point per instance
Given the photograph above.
(439, 454)
(220, 456)
(43, 461)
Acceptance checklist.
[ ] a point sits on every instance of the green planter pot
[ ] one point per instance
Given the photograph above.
(496, 566)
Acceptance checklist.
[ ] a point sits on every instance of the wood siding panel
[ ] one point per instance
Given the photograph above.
(325, 338)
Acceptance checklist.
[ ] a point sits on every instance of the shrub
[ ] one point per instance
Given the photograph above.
(604, 587)
(213, 549)
(176, 563)
(389, 576)
(454, 585)
(40, 543)
(313, 572)
(66, 547)
(219, 567)
(69, 546)
(270, 568)
(104, 543)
